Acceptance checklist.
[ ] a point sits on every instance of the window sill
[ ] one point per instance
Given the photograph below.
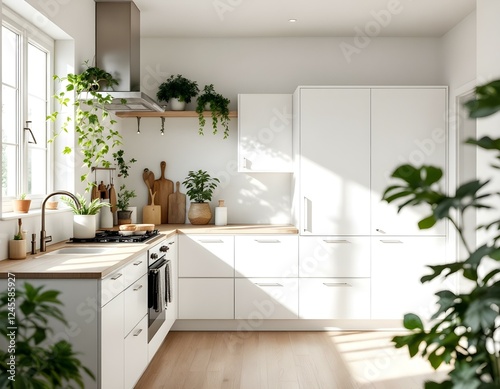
(32, 213)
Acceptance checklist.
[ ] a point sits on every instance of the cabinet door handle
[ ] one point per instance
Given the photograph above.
(391, 241)
(137, 263)
(336, 241)
(335, 284)
(379, 230)
(210, 241)
(268, 284)
(306, 216)
(138, 332)
(114, 278)
(267, 240)
(137, 288)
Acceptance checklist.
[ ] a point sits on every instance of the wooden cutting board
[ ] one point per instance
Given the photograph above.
(151, 214)
(177, 206)
(165, 189)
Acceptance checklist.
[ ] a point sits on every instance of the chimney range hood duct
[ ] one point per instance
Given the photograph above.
(118, 52)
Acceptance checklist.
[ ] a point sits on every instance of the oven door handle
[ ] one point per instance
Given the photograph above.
(158, 264)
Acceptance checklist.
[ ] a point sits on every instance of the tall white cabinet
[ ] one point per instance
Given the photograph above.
(347, 142)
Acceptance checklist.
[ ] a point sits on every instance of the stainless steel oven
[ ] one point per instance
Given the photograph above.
(159, 286)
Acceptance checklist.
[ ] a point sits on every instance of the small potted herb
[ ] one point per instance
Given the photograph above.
(200, 187)
(17, 246)
(177, 91)
(22, 204)
(218, 105)
(123, 202)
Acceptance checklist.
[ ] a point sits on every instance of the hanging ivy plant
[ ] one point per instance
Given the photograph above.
(218, 106)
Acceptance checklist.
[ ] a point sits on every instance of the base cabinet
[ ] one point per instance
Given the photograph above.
(206, 298)
(334, 298)
(136, 353)
(266, 298)
(398, 264)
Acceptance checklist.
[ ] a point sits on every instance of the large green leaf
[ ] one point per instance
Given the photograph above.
(487, 100)
(412, 322)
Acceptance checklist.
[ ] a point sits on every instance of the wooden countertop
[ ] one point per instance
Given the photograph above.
(97, 266)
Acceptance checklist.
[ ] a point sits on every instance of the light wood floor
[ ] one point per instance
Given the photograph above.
(284, 360)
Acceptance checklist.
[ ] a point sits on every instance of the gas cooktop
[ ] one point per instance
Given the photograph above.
(115, 237)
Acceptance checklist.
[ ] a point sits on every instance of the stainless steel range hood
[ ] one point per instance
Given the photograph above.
(118, 52)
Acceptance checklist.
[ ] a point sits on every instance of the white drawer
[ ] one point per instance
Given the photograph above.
(136, 269)
(334, 298)
(136, 302)
(136, 353)
(111, 286)
(206, 256)
(266, 256)
(328, 256)
(206, 298)
(266, 298)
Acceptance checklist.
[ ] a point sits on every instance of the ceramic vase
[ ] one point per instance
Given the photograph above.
(21, 206)
(176, 104)
(199, 213)
(17, 249)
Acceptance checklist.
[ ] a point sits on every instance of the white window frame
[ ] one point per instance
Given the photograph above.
(29, 34)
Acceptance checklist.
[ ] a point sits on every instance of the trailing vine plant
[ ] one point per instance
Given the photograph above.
(93, 124)
(219, 109)
(464, 330)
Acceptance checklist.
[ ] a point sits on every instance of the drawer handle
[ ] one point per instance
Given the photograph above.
(137, 288)
(336, 241)
(137, 263)
(138, 332)
(114, 278)
(379, 230)
(268, 284)
(335, 284)
(390, 241)
(267, 240)
(211, 241)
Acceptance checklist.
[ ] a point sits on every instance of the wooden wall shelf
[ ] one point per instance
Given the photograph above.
(167, 114)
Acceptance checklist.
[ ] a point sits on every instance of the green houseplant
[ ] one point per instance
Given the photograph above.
(37, 363)
(93, 124)
(177, 91)
(123, 203)
(218, 106)
(123, 165)
(465, 326)
(200, 186)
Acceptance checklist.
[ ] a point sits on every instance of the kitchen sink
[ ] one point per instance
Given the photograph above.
(79, 250)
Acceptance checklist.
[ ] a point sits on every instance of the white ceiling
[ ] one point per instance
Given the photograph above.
(269, 18)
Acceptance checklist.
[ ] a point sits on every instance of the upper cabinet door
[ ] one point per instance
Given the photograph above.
(265, 133)
(408, 126)
(334, 161)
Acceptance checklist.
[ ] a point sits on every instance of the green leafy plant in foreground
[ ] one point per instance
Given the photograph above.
(38, 364)
(464, 330)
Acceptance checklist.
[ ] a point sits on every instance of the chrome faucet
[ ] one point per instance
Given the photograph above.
(44, 239)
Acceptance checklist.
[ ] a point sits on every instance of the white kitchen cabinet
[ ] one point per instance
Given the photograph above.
(265, 133)
(136, 296)
(206, 298)
(408, 125)
(332, 144)
(112, 344)
(334, 256)
(266, 298)
(266, 256)
(334, 298)
(398, 263)
(136, 353)
(206, 255)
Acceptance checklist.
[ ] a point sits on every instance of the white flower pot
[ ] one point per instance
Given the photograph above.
(177, 105)
(84, 226)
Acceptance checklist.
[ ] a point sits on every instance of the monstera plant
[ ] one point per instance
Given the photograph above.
(464, 330)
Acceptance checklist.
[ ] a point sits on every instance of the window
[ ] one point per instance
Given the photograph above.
(26, 59)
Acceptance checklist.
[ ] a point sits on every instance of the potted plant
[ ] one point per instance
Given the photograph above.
(200, 187)
(123, 203)
(17, 246)
(177, 91)
(93, 124)
(465, 326)
(85, 217)
(38, 364)
(218, 105)
(22, 204)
